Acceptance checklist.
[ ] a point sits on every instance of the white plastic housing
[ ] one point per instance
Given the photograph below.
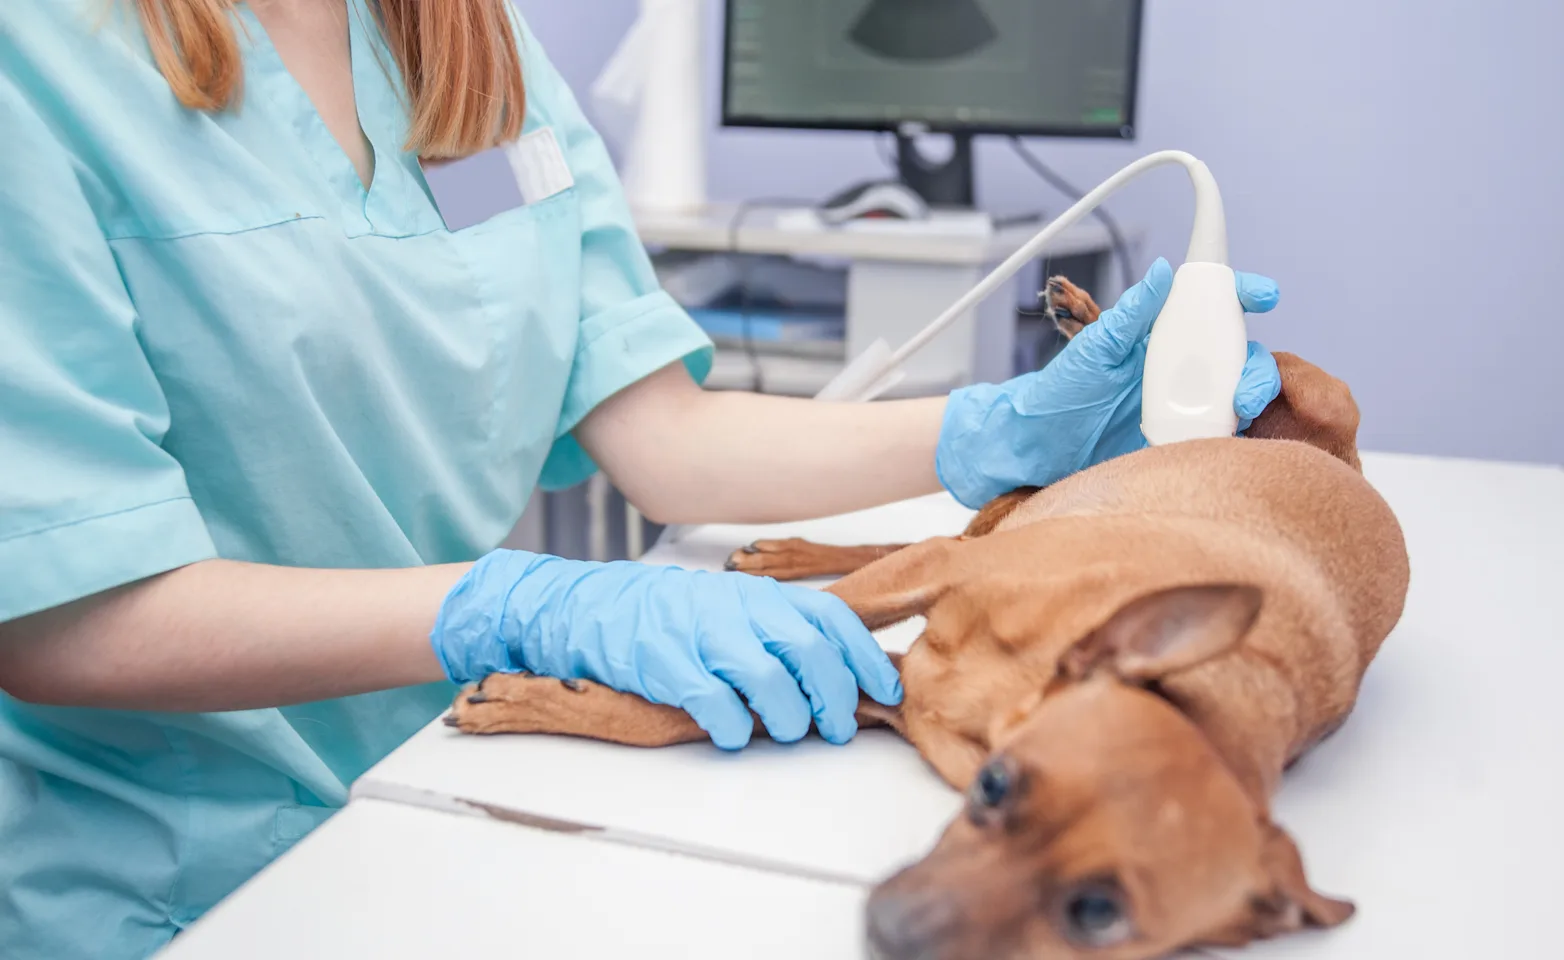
(1195, 358)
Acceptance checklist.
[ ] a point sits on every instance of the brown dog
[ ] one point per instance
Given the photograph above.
(1117, 669)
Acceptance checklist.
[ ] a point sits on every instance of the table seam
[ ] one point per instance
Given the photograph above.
(459, 806)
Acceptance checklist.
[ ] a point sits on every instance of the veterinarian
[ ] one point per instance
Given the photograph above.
(260, 412)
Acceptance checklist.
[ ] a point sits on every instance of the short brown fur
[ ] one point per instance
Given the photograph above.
(1129, 658)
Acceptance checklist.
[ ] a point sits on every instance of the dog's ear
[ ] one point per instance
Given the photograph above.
(1167, 631)
(1284, 902)
(1291, 904)
(1006, 720)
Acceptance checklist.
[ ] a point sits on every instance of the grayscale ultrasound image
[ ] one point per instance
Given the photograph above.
(923, 30)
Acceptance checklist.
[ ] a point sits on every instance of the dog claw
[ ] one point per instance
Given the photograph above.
(730, 565)
(574, 686)
(451, 720)
(478, 697)
(749, 548)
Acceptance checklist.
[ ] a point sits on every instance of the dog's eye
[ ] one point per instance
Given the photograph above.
(1094, 916)
(992, 785)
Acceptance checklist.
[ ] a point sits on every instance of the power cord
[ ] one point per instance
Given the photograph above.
(1121, 249)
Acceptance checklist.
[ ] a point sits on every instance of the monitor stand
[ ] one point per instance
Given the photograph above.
(948, 184)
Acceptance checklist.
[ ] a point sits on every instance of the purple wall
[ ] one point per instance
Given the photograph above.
(1393, 163)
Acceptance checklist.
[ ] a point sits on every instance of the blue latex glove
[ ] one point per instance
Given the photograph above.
(688, 639)
(1084, 406)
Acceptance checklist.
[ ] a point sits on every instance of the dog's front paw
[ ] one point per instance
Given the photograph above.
(521, 703)
(796, 559)
(514, 703)
(790, 559)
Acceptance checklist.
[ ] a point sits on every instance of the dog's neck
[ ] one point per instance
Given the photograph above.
(1253, 753)
(1244, 754)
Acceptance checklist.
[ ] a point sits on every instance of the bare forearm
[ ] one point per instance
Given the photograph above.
(220, 635)
(768, 459)
(688, 456)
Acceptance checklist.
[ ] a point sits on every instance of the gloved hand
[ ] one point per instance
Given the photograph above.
(688, 639)
(1084, 406)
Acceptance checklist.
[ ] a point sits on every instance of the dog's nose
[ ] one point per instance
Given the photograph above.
(909, 927)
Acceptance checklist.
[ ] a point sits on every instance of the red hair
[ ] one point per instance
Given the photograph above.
(458, 59)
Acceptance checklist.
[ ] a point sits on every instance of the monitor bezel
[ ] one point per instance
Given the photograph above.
(1124, 132)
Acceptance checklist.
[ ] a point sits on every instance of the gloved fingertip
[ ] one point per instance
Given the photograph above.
(1117, 331)
(871, 668)
(881, 681)
(1131, 318)
(1160, 276)
(891, 693)
(1260, 384)
(729, 741)
(1257, 294)
(718, 710)
(838, 732)
(787, 732)
(1249, 404)
(726, 734)
(785, 713)
(1152, 290)
(1248, 407)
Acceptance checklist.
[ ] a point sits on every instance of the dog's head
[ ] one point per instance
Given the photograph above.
(1105, 824)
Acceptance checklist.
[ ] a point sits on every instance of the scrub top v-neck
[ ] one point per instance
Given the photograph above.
(215, 342)
(394, 203)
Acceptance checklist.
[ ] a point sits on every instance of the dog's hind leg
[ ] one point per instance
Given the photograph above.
(1069, 307)
(1314, 408)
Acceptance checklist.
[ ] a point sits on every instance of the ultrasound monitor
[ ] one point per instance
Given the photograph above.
(1024, 67)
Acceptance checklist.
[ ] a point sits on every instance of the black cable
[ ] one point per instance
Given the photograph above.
(735, 223)
(1121, 249)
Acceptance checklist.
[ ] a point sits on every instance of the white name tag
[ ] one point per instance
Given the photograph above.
(539, 165)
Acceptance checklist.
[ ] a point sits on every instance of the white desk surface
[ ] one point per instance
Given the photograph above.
(760, 232)
(1435, 808)
(392, 882)
(843, 812)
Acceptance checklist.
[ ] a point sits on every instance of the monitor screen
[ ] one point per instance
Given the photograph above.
(1063, 67)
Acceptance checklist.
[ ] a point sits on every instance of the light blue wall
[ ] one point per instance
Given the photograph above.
(1393, 163)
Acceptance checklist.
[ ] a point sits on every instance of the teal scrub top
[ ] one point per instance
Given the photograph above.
(215, 343)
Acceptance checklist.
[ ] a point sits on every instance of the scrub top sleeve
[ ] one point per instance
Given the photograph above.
(89, 499)
(630, 328)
